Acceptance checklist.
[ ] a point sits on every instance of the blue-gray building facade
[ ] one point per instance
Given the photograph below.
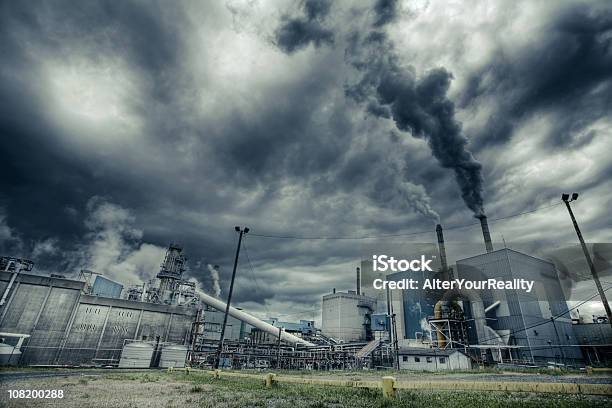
(535, 323)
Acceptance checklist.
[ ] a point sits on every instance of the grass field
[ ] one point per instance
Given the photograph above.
(163, 390)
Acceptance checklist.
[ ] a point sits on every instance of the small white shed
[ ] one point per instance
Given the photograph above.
(429, 359)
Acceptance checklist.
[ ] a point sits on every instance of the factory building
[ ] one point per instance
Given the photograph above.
(67, 326)
(365, 279)
(346, 316)
(518, 323)
(51, 320)
(412, 309)
(495, 326)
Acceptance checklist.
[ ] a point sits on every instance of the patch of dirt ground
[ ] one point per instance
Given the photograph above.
(102, 392)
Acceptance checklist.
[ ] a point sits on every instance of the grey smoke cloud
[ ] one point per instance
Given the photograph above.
(111, 246)
(295, 33)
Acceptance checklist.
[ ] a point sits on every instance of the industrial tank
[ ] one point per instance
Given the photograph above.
(136, 355)
(173, 355)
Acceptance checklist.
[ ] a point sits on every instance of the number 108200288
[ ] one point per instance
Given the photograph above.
(35, 394)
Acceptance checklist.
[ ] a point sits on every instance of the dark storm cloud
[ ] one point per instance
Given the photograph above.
(298, 32)
(419, 106)
(386, 12)
(246, 156)
(566, 72)
(216, 128)
(36, 167)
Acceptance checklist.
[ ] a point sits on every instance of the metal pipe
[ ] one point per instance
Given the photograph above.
(249, 319)
(492, 306)
(8, 287)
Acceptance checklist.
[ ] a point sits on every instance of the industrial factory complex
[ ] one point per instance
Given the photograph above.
(94, 321)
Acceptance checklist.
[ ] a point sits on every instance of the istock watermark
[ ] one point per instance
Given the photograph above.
(423, 263)
(436, 284)
(384, 263)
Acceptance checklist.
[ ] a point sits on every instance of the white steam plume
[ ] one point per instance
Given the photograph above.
(214, 274)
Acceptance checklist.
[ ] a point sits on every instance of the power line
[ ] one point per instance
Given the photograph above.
(402, 234)
(252, 272)
(301, 312)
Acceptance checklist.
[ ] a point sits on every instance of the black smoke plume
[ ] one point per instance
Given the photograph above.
(417, 105)
(296, 33)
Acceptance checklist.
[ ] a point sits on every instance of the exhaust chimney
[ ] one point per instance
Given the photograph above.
(358, 281)
(441, 248)
(485, 232)
(448, 273)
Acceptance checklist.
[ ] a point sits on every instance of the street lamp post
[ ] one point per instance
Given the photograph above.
(566, 199)
(229, 296)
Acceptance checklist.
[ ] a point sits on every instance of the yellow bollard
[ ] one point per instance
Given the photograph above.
(388, 387)
(270, 380)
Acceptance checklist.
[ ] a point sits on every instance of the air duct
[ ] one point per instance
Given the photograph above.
(485, 232)
(252, 320)
(358, 281)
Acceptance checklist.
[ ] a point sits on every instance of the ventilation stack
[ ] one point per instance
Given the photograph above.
(442, 249)
(358, 281)
(485, 232)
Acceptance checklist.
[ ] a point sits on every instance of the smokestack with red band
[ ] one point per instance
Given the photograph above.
(441, 248)
(485, 232)
(358, 281)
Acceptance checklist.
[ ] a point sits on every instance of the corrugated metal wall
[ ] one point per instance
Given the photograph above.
(67, 327)
(520, 310)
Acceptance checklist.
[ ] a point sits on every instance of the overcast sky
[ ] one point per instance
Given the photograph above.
(129, 125)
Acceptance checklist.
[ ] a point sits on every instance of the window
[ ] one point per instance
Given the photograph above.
(417, 360)
(429, 360)
(404, 358)
(442, 360)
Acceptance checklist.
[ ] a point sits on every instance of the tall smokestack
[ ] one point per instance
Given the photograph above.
(358, 281)
(485, 232)
(441, 247)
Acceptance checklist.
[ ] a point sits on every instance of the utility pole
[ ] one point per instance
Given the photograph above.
(566, 199)
(229, 296)
(278, 350)
(393, 328)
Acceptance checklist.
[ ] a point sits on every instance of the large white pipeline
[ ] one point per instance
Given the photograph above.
(252, 320)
